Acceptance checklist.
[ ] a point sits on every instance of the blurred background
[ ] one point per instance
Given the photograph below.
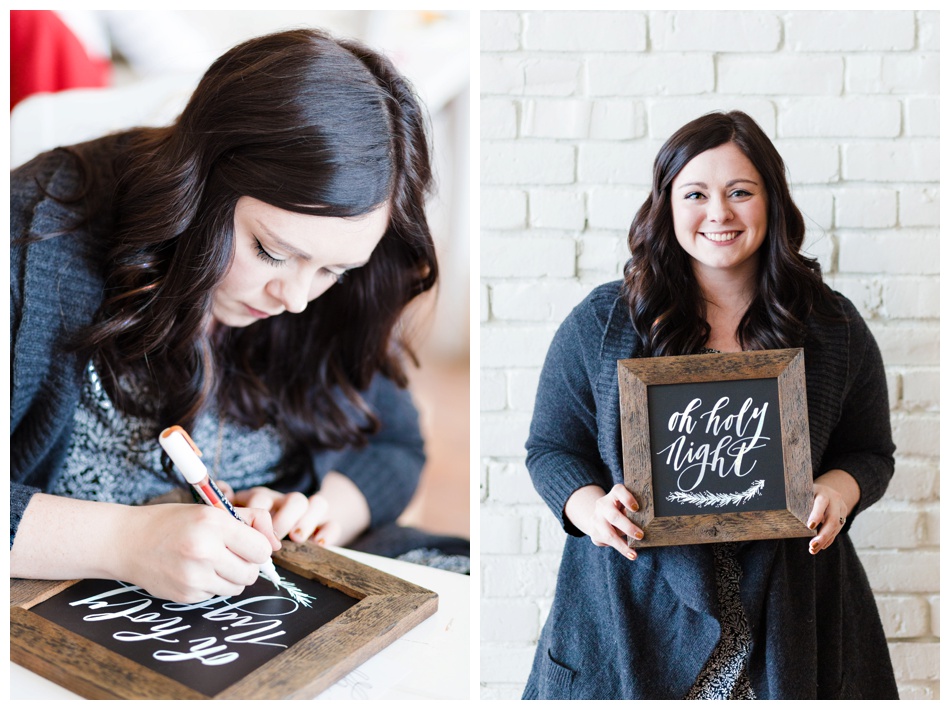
(76, 75)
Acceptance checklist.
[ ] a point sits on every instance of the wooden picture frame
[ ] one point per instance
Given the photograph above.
(646, 379)
(387, 608)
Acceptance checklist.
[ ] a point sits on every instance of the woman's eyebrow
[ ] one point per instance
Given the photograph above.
(277, 241)
(728, 184)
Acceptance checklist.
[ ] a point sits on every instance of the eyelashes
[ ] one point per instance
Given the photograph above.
(699, 195)
(265, 256)
(269, 258)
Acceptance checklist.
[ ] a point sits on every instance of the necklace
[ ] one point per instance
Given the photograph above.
(216, 470)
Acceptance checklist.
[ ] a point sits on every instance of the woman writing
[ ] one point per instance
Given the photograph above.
(715, 266)
(241, 273)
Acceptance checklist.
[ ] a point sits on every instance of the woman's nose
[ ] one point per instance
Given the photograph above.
(718, 210)
(292, 292)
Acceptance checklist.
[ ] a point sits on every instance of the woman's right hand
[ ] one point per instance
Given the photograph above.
(181, 552)
(190, 553)
(602, 517)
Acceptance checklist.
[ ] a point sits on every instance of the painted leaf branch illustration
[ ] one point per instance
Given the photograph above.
(717, 499)
(296, 593)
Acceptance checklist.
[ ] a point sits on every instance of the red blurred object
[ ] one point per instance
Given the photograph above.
(45, 55)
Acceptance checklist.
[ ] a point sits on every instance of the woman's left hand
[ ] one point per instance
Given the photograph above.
(294, 515)
(836, 494)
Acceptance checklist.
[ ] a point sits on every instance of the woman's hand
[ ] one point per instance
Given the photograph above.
(185, 553)
(336, 515)
(602, 517)
(189, 553)
(836, 494)
(296, 516)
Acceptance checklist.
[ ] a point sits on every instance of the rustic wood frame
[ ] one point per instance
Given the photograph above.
(388, 607)
(788, 367)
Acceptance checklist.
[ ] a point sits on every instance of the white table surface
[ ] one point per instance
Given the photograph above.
(429, 662)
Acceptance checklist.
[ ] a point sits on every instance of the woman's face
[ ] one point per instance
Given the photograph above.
(283, 260)
(720, 212)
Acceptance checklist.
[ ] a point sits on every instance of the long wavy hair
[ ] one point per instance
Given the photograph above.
(306, 123)
(665, 301)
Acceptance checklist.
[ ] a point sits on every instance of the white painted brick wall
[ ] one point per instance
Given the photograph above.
(574, 108)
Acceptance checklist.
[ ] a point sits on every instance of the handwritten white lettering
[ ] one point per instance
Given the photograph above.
(243, 617)
(728, 454)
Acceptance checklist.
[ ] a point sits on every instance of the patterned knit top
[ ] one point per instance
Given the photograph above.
(725, 675)
(114, 457)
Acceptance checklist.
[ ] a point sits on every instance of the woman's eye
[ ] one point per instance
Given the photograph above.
(266, 256)
(694, 195)
(741, 193)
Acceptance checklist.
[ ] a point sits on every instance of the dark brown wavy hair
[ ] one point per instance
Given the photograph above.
(665, 301)
(306, 123)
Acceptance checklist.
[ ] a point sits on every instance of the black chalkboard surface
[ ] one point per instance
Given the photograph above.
(716, 446)
(205, 646)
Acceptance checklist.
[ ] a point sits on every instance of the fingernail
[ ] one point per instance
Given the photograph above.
(321, 542)
(813, 524)
(638, 536)
(632, 555)
(636, 506)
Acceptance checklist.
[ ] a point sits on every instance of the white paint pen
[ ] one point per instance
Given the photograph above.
(187, 457)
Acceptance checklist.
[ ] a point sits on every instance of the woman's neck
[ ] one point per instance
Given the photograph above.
(728, 296)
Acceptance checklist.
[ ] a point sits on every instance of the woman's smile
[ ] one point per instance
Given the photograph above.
(721, 237)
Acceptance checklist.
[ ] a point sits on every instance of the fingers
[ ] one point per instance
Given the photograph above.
(613, 527)
(287, 513)
(618, 501)
(828, 516)
(257, 497)
(235, 573)
(624, 497)
(330, 533)
(294, 515)
(310, 526)
(246, 540)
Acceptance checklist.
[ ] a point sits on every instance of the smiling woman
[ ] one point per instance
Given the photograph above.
(240, 273)
(715, 265)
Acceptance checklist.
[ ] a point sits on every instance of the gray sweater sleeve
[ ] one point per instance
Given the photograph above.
(562, 445)
(388, 468)
(861, 441)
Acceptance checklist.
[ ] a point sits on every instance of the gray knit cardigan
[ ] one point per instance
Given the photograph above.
(644, 629)
(56, 286)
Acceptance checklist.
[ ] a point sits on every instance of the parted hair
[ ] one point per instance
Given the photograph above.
(304, 122)
(665, 301)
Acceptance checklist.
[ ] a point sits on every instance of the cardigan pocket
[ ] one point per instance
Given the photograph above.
(556, 679)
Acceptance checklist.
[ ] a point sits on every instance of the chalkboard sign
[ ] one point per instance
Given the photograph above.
(109, 639)
(716, 446)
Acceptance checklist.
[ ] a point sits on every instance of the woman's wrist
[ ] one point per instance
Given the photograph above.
(844, 484)
(65, 538)
(579, 507)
